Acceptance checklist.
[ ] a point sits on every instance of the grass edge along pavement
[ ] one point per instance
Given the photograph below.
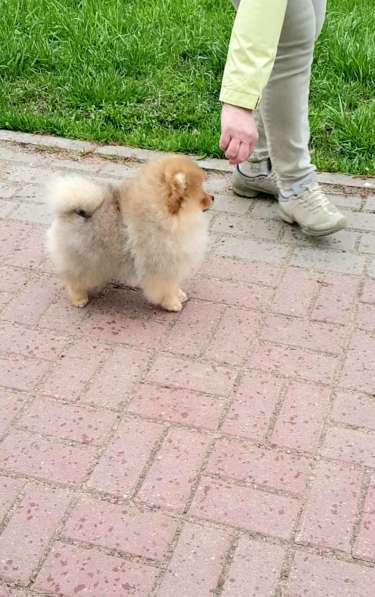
(84, 70)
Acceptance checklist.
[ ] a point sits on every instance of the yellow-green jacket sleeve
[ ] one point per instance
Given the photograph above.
(252, 51)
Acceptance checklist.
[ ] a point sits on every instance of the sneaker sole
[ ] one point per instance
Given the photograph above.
(310, 232)
(245, 193)
(251, 194)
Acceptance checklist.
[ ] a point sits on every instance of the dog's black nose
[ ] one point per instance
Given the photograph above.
(212, 198)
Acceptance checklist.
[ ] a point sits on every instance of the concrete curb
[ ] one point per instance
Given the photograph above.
(132, 154)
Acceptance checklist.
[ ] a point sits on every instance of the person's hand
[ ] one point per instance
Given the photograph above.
(239, 134)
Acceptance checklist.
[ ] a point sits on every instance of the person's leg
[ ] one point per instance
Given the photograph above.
(285, 114)
(303, 23)
(286, 97)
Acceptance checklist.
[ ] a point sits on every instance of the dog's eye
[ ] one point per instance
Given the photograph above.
(82, 213)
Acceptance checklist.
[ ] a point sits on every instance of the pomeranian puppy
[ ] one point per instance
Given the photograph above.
(147, 232)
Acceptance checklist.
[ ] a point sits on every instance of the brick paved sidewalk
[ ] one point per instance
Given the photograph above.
(225, 451)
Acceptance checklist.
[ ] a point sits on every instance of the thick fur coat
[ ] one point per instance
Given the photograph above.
(150, 231)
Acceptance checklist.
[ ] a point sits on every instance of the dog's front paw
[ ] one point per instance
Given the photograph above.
(172, 304)
(80, 303)
(182, 296)
(78, 296)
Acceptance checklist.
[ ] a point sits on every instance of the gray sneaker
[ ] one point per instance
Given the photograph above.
(311, 209)
(260, 179)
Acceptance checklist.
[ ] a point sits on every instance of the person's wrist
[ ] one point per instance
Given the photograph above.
(248, 110)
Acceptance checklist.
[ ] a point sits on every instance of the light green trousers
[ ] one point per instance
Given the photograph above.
(283, 114)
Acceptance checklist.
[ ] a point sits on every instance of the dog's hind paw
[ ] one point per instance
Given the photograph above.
(173, 304)
(182, 296)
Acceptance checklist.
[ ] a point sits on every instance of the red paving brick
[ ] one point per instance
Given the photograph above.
(5, 298)
(29, 529)
(300, 420)
(169, 482)
(232, 293)
(21, 373)
(354, 409)
(253, 405)
(245, 508)
(190, 570)
(192, 330)
(233, 336)
(214, 451)
(62, 317)
(297, 332)
(144, 335)
(295, 293)
(112, 385)
(30, 343)
(366, 317)
(359, 372)
(13, 236)
(68, 378)
(312, 575)
(177, 406)
(12, 280)
(294, 362)
(67, 421)
(9, 489)
(368, 292)
(331, 509)
(255, 569)
(31, 254)
(124, 459)
(29, 454)
(350, 445)
(94, 574)
(125, 528)
(11, 405)
(28, 307)
(179, 373)
(269, 468)
(364, 547)
(336, 299)
(225, 268)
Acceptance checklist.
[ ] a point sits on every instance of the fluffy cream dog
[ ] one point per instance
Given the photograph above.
(148, 232)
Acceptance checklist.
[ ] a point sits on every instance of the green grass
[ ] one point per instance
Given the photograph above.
(148, 72)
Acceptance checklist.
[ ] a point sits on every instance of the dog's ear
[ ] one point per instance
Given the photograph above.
(177, 191)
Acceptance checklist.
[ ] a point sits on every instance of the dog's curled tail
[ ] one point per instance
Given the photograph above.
(74, 195)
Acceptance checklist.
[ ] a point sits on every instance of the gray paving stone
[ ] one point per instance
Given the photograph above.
(35, 213)
(7, 190)
(346, 181)
(46, 141)
(215, 164)
(371, 268)
(219, 184)
(6, 208)
(362, 221)
(367, 244)
(24, 175)
(370, 203)
(30, 192)
(320, 259)
(231, 204)
(128, 153)
(247, 226)
(115, 169)
(85, 165)
(346, 201)
(253, 250)
(265, 208)
(345, 240)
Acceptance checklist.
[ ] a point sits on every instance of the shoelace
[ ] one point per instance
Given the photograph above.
(313, 200)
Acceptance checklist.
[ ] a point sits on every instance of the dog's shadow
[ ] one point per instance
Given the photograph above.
(118, 301)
